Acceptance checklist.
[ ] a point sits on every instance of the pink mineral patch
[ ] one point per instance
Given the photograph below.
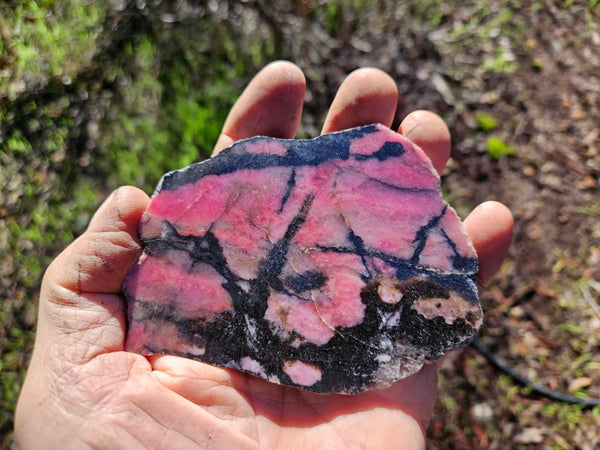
(302, 373)
(340, 304)
(289, 316)
(251, 365)
(198, 292)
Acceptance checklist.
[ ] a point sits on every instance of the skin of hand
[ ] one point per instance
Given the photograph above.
(83, 390)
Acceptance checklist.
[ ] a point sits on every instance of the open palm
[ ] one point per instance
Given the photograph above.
(83, 389)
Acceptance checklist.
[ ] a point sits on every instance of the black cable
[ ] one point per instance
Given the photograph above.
(553, 395)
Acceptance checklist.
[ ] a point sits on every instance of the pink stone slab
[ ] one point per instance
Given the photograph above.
(331, 264)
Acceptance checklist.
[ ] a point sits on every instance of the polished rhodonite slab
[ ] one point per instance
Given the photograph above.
(330, 264)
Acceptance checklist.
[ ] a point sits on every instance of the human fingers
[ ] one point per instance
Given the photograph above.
(428, 131)
(99, 259)
(81, 310)
(366, 96)
(490, 227)
(271, 105)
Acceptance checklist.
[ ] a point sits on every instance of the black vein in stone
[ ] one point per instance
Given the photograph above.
(394, 187)
(305, 281)
(299, 153)
(459, 262)
(387, 150)
(288, 190)
(360, 250)
(421, 236)
(277, 257)
(216, 259)
(406, 269)
(409, 190)
(201, 249)
(170, 240)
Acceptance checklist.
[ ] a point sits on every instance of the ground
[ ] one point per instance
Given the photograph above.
(518, 83)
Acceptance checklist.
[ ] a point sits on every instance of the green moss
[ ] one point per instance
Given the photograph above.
(485, 122)
(51, 38)
(498, 149)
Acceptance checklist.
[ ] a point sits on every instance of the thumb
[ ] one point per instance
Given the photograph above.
(99, 259)
(82, 311)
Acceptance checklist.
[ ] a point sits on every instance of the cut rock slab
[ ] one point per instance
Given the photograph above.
(331, 264)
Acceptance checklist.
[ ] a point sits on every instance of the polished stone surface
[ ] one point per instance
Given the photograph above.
(330, 264)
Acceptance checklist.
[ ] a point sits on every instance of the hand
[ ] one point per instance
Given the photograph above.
(83, 389)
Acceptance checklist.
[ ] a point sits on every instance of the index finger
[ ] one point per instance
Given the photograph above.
(271, 105)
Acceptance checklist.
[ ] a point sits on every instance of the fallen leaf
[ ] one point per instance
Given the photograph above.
(580, 383)
(529, 436)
